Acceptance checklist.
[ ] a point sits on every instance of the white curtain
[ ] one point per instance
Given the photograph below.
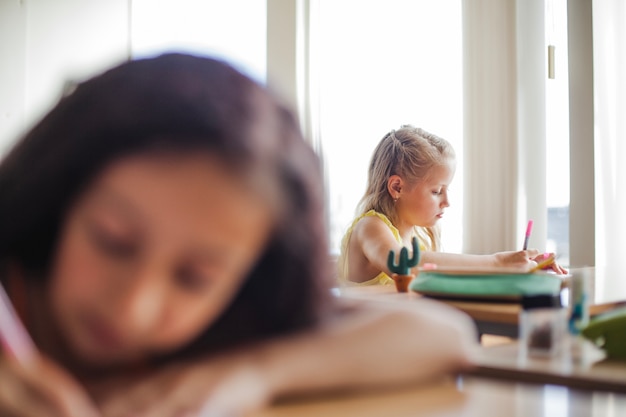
(609, 50)
(504, 123)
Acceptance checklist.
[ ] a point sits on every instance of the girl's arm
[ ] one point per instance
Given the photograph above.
(373, 344)
(374, 239)
(515, 259)
(522, 258)
(361, 345)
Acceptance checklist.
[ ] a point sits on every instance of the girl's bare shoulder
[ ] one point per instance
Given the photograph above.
(372, 228)
(370, 224)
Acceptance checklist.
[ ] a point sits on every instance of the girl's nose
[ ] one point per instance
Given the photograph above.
(445, 202)
(139, 301)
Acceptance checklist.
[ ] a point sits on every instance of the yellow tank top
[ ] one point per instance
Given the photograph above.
(342, 261)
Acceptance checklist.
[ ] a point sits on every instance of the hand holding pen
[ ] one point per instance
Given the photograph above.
(544, 260)
(30, 384)
(547, 261)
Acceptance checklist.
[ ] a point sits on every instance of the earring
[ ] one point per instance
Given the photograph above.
(395, 199)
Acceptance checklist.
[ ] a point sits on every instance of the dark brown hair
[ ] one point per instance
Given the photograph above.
(180, 103)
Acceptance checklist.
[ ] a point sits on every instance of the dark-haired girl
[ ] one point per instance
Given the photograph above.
(162, 239)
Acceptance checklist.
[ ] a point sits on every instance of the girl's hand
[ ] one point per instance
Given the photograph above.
(526, 258)
(554, 266)
(520, 259)
(41, 389)
(229, 385)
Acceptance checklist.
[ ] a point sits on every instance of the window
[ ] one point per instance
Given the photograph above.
(557, 133)
(383, 64)
(218, 28)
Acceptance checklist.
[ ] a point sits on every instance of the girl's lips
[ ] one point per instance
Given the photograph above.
(102, 335)
(440, 215)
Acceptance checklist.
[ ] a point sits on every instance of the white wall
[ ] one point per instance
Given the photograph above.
(44, 44)
(12, 69)
(70, 40)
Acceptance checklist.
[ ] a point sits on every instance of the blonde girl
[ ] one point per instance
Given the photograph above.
(406, 195)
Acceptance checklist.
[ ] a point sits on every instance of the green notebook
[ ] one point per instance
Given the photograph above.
(485, 283)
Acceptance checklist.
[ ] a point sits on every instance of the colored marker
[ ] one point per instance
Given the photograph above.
(529, 229)
(14, 337)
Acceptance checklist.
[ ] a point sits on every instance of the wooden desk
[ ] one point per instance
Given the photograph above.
(468, 396)
(496, 318)
(490, 318)
(591, 371)
(506, 361)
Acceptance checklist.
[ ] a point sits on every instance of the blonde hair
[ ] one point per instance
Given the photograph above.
(410, 153)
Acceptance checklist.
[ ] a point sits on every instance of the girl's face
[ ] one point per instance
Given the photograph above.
(151, 254)
(423, 203)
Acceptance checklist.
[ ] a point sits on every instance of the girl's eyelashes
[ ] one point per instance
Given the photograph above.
(110, 243)
(440, 191)
(189, 278)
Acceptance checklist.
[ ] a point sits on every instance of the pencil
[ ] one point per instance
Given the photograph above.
(529, 229)
(14, 337)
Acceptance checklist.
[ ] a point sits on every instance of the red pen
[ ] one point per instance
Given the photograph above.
(529, 229)
(14, 337)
